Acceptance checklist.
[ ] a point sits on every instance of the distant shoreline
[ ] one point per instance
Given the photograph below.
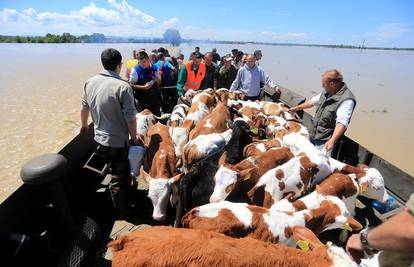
(100, 38)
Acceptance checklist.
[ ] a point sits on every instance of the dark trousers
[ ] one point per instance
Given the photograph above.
(150, 100)
(169, 98)
(118, 157)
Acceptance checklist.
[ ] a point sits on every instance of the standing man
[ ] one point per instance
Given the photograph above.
(210, 79)
(249, 77)
(258, 55)
(334, 109)
(216, 56)
(145, 80)
(227, 73)
(169, 95)
(110, 101)
(191, 75)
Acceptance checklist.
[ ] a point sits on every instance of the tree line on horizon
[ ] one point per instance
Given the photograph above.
(170, 36)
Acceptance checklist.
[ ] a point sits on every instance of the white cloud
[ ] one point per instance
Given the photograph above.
(123, 19)
(171, 23)
(87, 19)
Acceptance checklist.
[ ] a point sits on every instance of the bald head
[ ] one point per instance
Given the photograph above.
(332, 81)
(250, 60)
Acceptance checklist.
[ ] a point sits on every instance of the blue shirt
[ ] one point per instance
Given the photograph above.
(248, 80)
(166, 78)
(141, 76)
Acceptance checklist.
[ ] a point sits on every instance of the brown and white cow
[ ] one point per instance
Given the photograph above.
(241, 219)
(145, 119)
(166, 246)
(290, 180)
(343, 186)
(203, 146)
(215, 122)
(198, 110)
(159, 168)
(272, 108)
(178, 115)
(257, 148)
(244, 175)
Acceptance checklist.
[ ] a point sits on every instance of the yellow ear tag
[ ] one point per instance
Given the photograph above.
(255, 130)
(247, 177)
(303, 245)
(347, 227)
(361, 189)
(232, 96)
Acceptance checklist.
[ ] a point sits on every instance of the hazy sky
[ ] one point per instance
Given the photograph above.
(379, 23)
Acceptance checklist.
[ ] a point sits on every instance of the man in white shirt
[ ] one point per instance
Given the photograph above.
(334, 108)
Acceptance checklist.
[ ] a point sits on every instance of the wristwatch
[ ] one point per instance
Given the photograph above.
(363, 237)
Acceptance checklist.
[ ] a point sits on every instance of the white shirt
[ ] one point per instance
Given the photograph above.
(344, 111)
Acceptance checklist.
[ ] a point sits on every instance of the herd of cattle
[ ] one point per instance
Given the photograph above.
(247, 169)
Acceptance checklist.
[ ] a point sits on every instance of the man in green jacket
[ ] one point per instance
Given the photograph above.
(198, 70)
(334, 109)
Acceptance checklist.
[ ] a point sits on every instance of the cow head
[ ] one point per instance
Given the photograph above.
(331, 214)
(226, 178)
(371, 185)
(159, 193)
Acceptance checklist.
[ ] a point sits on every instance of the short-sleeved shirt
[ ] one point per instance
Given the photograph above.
(165, 67)
(111, 103)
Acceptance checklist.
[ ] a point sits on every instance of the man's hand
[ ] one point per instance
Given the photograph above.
(83, 129)
(329, 145)
(354, 248)
(147, 86)
(293, 109)
(278, 92)
(156, 79)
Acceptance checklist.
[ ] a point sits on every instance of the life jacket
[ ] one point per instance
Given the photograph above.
(194, 81)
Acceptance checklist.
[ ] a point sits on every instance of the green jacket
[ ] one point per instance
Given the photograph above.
(182, 78)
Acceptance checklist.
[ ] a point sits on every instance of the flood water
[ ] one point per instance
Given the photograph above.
(41, 87)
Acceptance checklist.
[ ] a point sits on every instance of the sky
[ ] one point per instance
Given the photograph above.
(383, 23)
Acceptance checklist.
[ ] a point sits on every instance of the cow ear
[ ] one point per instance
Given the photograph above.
(230, 124)
(305, 237)
(247, 173)
(363, 187)
(176, 178)
(353, 224)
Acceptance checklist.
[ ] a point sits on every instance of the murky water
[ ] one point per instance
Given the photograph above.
(41, 86)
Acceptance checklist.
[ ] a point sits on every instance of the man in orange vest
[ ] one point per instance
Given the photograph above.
(192, 75)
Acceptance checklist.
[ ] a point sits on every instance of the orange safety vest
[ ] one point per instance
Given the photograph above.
(194, 82)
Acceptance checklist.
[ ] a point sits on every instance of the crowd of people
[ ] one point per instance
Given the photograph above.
(113, 104)
(146, 72)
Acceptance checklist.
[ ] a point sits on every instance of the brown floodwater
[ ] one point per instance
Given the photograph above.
(41, 87)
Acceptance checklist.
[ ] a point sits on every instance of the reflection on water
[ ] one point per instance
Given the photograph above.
(41, 86)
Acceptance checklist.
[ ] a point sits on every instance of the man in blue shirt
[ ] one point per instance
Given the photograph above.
(249, 77)
(145, 80)
(169, 95)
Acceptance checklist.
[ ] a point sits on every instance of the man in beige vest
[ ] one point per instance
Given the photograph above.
(333, 111)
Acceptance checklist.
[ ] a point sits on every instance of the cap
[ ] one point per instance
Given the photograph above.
(228, 58)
